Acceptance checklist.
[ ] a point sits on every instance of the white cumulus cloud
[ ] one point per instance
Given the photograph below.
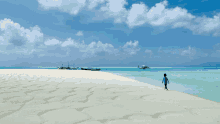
(115, 9)
(188, 52)
(69, 6)
(99, 47)
(139, 14)
(73, 43)
(204, 25)
(13, 33)
(79, 33)
(17, 42)
(52, 42)
(158, 15)
(94, 3)
(131, 48)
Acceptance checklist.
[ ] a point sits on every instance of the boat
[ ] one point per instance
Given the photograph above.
(86, 69)
(62, 67)
(92, 69)
(143, 67)
(95, 69)
(74, 68)
(68, 66)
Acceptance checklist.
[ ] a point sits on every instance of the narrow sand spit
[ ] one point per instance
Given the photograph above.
(31, 96)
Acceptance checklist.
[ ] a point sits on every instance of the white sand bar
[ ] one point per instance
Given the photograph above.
(37, 96)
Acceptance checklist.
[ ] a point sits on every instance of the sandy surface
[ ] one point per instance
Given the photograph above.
(84, 97)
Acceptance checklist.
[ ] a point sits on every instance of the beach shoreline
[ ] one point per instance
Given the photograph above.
(47, 96)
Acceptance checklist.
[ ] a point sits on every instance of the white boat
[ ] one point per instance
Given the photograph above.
(143, 67)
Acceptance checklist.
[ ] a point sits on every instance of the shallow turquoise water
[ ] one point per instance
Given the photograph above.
(201, 81)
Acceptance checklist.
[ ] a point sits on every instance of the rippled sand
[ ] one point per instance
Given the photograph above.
(29, 96)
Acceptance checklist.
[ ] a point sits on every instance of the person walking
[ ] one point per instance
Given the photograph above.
(165, 81)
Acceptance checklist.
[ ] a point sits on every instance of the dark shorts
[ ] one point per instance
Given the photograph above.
(165, 85)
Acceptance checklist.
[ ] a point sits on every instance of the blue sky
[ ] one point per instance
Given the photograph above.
(109, 32)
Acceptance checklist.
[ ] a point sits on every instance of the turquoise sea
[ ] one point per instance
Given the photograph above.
(203, 82)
